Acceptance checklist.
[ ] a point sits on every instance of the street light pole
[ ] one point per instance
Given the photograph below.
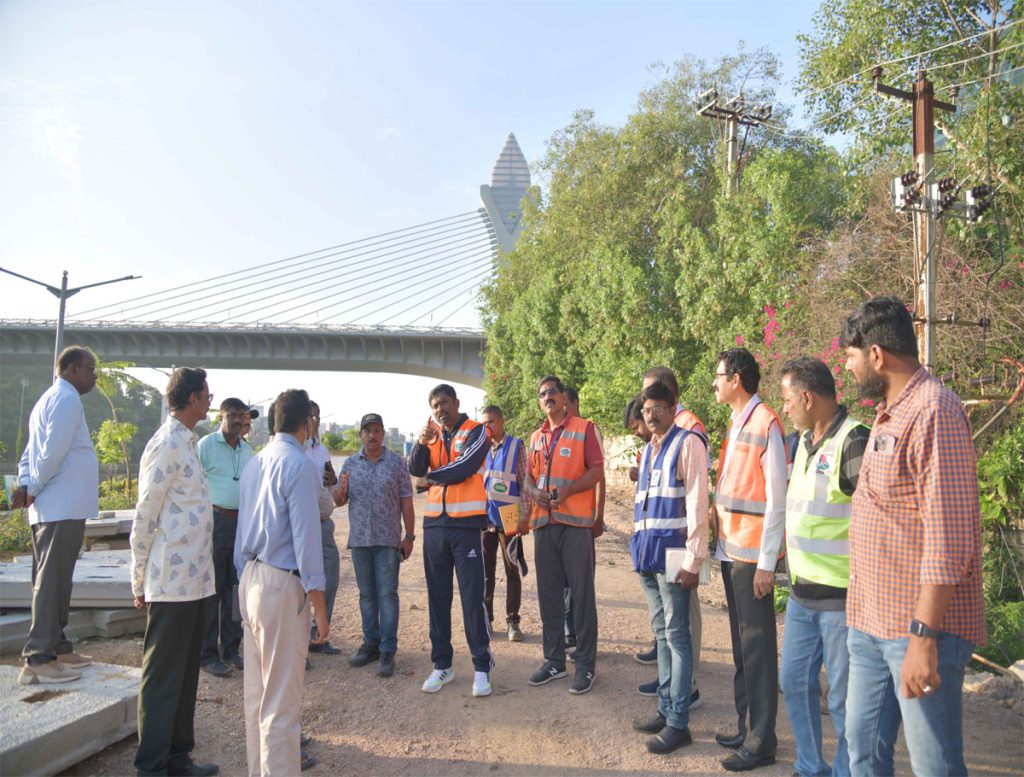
(62, 294)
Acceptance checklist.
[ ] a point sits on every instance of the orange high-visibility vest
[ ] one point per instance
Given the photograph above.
(459, 500)
(689, 421)
(740, 496)
(559, 467)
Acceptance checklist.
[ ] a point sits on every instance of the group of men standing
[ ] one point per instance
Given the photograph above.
(880, 530)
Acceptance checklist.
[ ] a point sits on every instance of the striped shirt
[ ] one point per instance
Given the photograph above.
(916, 517)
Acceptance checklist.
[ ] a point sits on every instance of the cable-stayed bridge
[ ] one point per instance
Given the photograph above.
(395, 302)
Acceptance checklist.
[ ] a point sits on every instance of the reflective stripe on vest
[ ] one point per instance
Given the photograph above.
(565, 464)
(818, 514)
(500, 478)
(740, 495)
(458, 500)
(659, 508)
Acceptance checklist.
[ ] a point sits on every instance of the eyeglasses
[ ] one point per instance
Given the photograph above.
(549, 393)
(654, 412)
(722, 375)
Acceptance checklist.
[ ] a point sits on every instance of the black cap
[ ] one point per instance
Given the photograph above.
(254, 413)
(370, 418)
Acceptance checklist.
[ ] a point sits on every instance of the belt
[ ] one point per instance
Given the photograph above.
(289, 571)
(225, 511)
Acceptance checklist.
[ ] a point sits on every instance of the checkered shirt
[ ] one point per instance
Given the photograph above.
(915, 516)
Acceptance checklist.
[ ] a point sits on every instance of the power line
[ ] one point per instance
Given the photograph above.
(424, 227)
(993, 77)
(917, 55)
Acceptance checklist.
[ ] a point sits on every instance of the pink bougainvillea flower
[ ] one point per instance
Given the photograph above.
(739, 339)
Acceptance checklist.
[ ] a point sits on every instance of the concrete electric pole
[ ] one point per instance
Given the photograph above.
(733, 113)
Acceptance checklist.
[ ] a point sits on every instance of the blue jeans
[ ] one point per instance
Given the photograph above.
(809, 637)
(669, 605)
(376, 570)
(933, 725)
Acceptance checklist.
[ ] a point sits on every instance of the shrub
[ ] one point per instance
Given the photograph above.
(15, 533)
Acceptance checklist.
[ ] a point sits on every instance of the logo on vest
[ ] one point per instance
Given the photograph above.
(564, 452)
(824, 464)
(499, 487)
(458, 446)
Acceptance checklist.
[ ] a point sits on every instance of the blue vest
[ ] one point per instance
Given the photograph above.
(500, 477)
(659, 508)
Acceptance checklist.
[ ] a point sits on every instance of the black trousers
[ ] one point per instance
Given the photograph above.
(170, 680)
(222, 624)
(566, 554)
(755, 656)
(55, 547)
(493, 540)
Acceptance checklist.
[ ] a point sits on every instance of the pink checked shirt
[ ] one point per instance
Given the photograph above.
(915, 516)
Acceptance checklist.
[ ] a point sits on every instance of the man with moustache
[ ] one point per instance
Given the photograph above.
(670, 512)
(224, 454)
(172, 577)
(450, 453)
(688, 421)
(915, 608)
(565, 466)
(750, 513)
(823, 479)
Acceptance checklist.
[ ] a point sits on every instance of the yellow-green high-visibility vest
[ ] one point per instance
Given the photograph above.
(818, 514)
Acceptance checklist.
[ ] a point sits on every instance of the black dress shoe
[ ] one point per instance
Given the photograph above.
(743, 760)
(196, 770)
(669, 739)
(730, 742)
(217, 668)
(651, 725)
(306, 762)
(235, 661)
(304, 740)
(326, 648)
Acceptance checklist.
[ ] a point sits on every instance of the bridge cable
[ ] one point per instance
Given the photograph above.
(330, 272)
(470, 246)
(398, 296)
(448, 302)
(360, 243)
(463, 288)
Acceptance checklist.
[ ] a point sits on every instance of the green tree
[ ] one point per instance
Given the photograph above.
(332, 441)
(111, 441)
(112, 380)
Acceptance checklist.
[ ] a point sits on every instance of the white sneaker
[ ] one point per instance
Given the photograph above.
(438, 679)
(481, 684)
(51, 672)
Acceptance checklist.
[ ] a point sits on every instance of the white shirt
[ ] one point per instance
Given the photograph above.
(59, 464)
(692, 468)
(773, 462)
(172, 534)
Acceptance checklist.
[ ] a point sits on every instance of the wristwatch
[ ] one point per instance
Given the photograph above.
(409, 538)
(918, 629)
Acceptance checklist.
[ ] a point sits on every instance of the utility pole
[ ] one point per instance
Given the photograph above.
(923, 102)
(733, 113)
(62, 294)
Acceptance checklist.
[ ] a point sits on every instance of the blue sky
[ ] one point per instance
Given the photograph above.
(183, 140)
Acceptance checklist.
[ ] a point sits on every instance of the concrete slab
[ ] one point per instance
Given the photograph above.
(14, 628)
(119, 623)
(48, 728)
(101, 580)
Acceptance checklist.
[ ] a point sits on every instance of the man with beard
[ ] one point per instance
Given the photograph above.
(915, 609)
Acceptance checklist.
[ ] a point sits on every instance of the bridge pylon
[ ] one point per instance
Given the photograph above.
(510, 182)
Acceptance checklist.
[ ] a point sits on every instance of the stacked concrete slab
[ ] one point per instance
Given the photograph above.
(101, 599)
(47, 728)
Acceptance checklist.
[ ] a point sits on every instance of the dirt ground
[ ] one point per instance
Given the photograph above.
(366, 725)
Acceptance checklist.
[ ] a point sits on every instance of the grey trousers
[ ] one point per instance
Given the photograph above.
(55, 547)
(565, 554)
(332, 569)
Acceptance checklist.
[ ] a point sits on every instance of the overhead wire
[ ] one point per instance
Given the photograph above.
(994, 77)
(371, 266)
(362, 242)
(916, 55)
